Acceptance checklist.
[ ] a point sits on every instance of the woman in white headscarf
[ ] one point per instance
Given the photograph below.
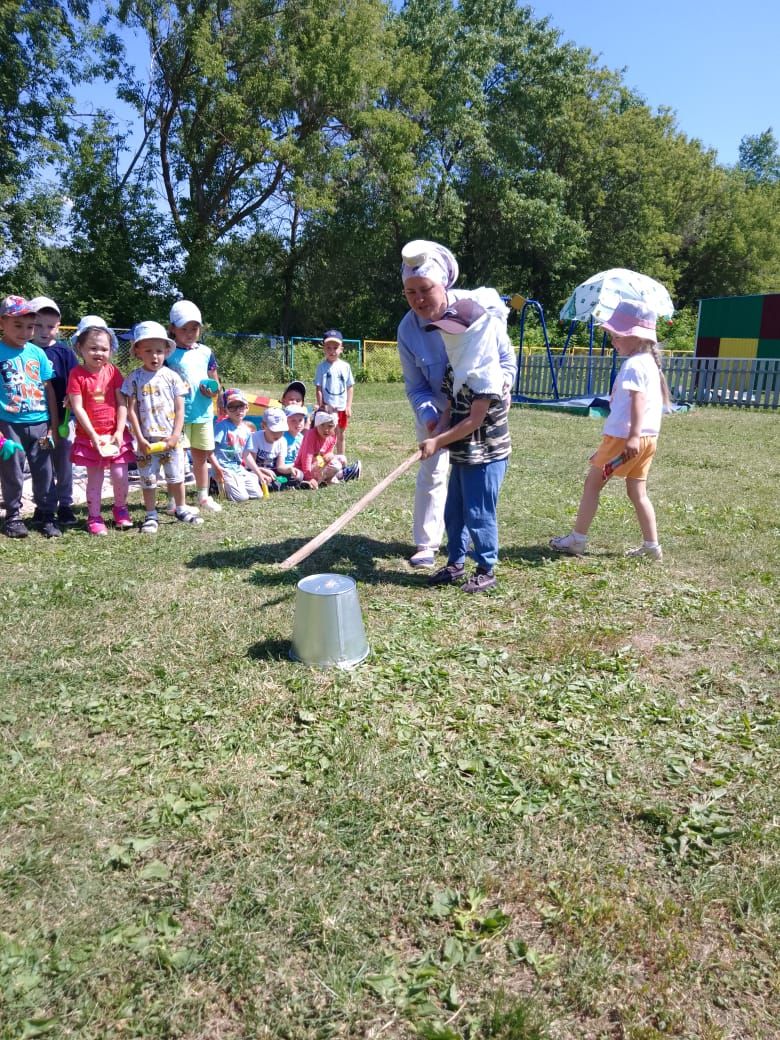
(429, 271)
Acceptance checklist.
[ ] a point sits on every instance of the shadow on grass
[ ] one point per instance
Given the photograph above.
(359, 557)
(269, 650)
(533, 555)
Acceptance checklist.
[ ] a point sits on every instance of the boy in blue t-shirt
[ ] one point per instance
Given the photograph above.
(63, 358)
(27, 402)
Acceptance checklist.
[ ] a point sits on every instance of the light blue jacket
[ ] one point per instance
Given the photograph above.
(424, 359)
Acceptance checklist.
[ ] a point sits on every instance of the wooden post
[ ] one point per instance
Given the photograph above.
(342, 521)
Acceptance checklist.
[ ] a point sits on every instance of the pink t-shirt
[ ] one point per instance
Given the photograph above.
(313, 445)
(98, 396)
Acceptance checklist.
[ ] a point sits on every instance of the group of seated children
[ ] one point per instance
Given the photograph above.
(147, 418)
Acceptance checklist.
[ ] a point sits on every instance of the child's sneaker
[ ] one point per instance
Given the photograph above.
(188, 516)
(122, 518)
(352, 472)
(479, 581)
(655, 552)
(569, 543)
(15, 528)
(448, 574)
(208, 505)
(96, 526)
(49, 528)
(170, 509)
(150, 524)
(66, 517)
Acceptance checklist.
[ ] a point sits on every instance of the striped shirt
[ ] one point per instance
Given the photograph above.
(489, 442)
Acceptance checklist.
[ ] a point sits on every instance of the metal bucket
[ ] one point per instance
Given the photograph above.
(328, 628)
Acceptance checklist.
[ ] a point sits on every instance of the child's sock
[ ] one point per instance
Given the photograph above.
(579, 537)
(203, 493)
(650, 545)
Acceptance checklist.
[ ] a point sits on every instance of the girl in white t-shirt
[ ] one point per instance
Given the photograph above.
(630, 432)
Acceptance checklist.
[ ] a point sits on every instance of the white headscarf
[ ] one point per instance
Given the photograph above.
(474, 357)
(423, 259)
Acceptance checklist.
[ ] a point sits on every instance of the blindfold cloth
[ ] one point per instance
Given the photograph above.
(423, 259)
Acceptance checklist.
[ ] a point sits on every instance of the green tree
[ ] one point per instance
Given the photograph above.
(254, 104)
(759, 157)
(732, 245)
(45, 46)
(117, 250)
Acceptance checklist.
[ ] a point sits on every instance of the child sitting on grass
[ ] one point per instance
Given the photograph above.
(155, 401)
(100, 409)
(231, 435)
(631, 430)
(288, 474)
(265, 446)
(317, 458)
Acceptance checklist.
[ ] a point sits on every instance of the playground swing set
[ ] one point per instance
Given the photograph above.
(552, 399)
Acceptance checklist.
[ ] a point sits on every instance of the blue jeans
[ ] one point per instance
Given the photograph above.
(470, 512)
(12, 470)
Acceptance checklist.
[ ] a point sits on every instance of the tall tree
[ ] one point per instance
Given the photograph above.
(45, 46)
(117, 249)
(254, 103)
(759, 157)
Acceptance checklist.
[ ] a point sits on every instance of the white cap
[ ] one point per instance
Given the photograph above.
(296, 409)
(184, 311)
(150, 330)
(92, 321)
(324, 417)
(274, 420)
(44, 303)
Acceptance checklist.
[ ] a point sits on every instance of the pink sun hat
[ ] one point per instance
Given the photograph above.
(632, 318)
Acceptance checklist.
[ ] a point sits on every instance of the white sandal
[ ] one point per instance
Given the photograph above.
(150, 525)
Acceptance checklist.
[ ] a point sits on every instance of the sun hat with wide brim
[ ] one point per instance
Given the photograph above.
(632, 318)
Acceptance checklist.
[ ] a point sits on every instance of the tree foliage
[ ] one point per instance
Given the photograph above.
(290, 147)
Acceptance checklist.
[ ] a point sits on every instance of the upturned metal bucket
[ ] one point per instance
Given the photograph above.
(328, 628)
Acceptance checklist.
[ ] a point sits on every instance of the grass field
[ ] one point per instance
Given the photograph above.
(547, 812)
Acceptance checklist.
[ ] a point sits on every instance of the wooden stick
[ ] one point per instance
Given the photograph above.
(344, 519)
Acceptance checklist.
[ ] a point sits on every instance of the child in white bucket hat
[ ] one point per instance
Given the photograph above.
(197, 366)
(155, 401)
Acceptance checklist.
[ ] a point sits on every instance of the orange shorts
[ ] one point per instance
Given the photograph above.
(636, 468)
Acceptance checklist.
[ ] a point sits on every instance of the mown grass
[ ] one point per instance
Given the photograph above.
(546, 812)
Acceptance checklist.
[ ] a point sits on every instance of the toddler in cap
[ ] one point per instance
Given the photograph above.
(63, 359)
(265, 447)
(27, 407)
(335, 384)
(231, 436)
(197, 367)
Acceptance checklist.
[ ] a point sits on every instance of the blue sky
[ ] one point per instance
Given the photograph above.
(715, 63)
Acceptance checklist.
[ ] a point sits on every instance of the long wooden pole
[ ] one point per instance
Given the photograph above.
(342, 521)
